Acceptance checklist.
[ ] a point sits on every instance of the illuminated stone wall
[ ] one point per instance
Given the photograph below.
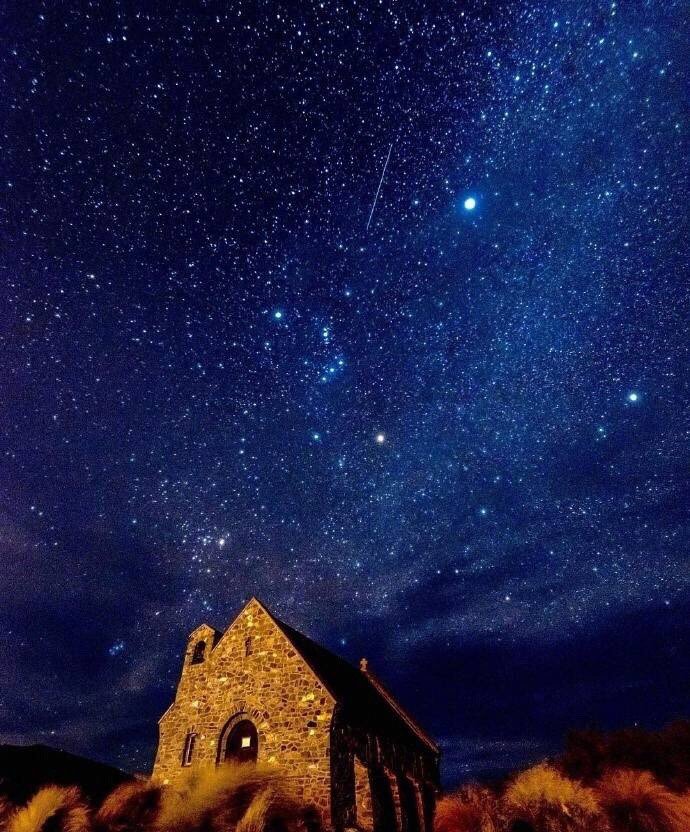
(272, 686)
(355, 778)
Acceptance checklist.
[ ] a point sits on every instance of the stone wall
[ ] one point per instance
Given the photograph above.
(365, 809)
(272, 686)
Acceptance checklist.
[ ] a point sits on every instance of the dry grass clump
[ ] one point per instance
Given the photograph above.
(233, 798)
(212, 798)
(244, 798)
(52, 809)
(254, 819)
(636, 802)
(5, 809)
(469, 809)
(131, 807)
(547, 801)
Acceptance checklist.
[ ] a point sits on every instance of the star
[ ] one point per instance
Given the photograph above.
(212, 296)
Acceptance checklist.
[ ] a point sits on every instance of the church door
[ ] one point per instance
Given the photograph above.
(242, 743)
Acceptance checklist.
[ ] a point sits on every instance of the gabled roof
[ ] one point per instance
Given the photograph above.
(364, 699)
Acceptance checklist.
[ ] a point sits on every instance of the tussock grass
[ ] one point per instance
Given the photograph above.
(5, 809)
(131, 807)
(213, 798)
(636, 802)
(254, 819)
(546, 800)
(52, 809)
(232, 798)
(470, 809)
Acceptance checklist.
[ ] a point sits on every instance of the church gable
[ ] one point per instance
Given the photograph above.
(251, 695)
(255, 635)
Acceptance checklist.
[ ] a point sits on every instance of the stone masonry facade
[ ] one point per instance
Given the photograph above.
(272, 687)
(253, 679)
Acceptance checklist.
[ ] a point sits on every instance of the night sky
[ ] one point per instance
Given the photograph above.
(454, 441)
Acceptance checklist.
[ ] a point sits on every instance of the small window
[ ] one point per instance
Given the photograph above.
(188, 751)
(199, 652)
(248, 647)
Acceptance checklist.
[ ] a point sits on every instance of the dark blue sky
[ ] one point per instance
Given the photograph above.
(456, 441)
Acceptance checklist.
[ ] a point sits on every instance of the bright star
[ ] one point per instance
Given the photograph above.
(277, 314)
(380, 438)
(470, 203)
(633, 397)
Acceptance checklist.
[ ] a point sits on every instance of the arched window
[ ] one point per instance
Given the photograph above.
(239, 744)
(383, 801)
(199, 653)
(410, 804)
(248, 646)
(188, 750)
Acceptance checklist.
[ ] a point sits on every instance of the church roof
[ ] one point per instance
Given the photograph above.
(363, 698)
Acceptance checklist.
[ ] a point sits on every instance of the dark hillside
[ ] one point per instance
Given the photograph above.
(25, 768)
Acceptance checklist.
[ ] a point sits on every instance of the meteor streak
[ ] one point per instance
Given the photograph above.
(378, 190)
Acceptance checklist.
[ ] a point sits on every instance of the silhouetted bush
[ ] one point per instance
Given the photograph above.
(665, 754)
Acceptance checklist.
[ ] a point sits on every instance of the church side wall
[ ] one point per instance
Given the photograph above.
(380, 784)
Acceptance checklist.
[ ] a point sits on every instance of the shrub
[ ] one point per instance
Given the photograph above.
(636, 802)
(544, 799)
(131, 807)
(470, 809)
(5, 810)
(249, 798)
(254, 819)
(52, 809)
(666, 754)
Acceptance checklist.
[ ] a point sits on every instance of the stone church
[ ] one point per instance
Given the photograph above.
(262, 691)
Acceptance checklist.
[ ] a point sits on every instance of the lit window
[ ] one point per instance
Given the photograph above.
(248, 647)
(246, 742)
(188, 752)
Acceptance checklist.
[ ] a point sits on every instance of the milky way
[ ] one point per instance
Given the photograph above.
(455, 441)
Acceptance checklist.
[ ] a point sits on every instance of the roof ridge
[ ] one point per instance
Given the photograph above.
(398, 708)
(366, 674)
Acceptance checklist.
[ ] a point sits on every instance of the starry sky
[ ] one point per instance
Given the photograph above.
(438, 417)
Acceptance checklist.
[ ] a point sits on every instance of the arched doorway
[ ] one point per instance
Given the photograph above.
(239, 742)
